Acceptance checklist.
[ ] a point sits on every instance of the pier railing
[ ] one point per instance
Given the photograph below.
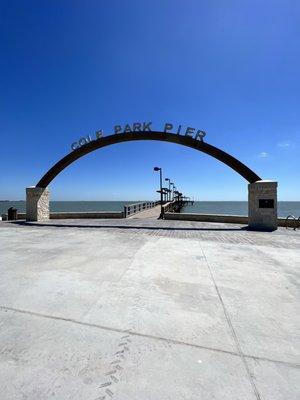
(132, 209)
(171, 206)
(292, 222)
(176, 205)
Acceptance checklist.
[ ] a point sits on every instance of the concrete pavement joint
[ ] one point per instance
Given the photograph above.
(126, 331)
(285, 363)
(134, 333)
(240, 353)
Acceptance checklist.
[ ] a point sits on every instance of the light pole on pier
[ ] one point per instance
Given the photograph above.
(169, 194)
(171, 183)
(161, 192)
(174, 190)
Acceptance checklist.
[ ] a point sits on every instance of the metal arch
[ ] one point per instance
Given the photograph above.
(188, 141)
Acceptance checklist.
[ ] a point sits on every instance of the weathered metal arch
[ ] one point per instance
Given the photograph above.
(188, 141)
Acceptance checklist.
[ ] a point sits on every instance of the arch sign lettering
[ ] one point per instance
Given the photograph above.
(142, 127)
(180, 134)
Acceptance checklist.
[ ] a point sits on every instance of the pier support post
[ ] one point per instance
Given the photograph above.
(262, 205)
(37, 204)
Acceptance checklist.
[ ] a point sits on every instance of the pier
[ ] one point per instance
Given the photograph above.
(136, 210)
(150, 213)
(141, 307)
(149, 302)
(262, 194)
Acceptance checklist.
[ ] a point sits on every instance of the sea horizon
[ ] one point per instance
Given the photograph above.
(233, 207)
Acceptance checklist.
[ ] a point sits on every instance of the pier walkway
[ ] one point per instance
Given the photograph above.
(151, 213)
(148, 309)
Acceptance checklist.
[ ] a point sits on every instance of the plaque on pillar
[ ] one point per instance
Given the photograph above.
(266, 203)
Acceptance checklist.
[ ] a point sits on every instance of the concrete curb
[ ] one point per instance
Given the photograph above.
(223, 218)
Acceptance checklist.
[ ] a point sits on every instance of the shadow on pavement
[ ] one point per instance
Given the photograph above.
(163, 228)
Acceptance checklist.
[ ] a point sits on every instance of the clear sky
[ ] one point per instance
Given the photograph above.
(228, 67)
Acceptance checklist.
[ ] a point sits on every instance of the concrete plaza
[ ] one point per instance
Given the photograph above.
(146, 309)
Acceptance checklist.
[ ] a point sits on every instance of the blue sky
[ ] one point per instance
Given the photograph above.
(69, 68)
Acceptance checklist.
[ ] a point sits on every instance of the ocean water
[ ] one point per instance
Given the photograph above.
(205, 207)
(68, 206)
(239, 208)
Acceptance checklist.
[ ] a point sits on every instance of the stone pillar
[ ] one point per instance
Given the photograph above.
(262, 205)
(37, 204)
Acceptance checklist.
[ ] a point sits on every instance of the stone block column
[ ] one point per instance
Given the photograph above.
(37, 204)
(262, 205)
